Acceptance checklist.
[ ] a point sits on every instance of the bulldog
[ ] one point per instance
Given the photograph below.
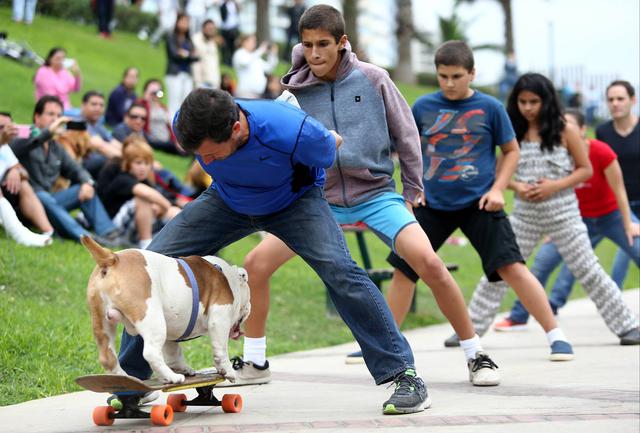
(155, 297)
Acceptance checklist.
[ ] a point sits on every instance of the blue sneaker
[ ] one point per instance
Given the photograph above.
(410, 395)
(561, 351)
(354, 358)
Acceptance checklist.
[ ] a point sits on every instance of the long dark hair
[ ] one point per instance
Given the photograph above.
(550, 120)
(52, 52)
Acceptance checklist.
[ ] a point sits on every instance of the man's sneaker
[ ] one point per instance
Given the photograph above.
(509, 325)
(483, 371)
(452, 341)
(354, 358)
(561, 351)
(248, 373)
(410, 395)
(630, 338)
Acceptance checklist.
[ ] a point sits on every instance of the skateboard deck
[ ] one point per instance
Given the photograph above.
(118, 383)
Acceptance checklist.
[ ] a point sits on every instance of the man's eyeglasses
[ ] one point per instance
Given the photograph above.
(137, 116)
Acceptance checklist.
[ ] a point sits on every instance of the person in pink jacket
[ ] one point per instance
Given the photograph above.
(53, 78)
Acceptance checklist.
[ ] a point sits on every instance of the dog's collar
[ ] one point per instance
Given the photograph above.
(195, 291)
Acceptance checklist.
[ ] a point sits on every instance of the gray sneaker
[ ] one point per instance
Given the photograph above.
(483, 371)
(248, 373)
(410, 395)
(630, 338)
(452, 341)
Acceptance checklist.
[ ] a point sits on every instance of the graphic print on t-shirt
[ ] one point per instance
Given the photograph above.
(450, 144)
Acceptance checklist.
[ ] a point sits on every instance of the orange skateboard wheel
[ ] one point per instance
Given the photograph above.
(232, 403)
(102, 415)
(162, 415)
(176, 401)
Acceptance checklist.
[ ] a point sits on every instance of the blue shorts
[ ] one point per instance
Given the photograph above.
(386, 215)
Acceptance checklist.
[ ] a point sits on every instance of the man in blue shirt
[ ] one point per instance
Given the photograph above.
(267, 161)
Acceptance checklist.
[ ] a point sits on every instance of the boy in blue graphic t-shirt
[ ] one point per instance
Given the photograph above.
(460, 129)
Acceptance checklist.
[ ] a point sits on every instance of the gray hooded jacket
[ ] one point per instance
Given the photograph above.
(364, 106)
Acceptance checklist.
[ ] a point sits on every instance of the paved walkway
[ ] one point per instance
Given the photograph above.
(315, 391)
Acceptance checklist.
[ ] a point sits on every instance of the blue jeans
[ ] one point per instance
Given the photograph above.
(548, 258)
(24, 10)
(307, 226)
(58, 204)
(621, 261)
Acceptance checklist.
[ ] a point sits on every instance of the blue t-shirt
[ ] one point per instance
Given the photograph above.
(257, 178)
(458, 146)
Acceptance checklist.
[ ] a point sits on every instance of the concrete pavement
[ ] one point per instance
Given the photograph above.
(314, 391)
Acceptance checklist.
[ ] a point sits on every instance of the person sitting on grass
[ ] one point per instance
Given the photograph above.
(45, 160)
(104, 146)
(15, 188)
(126, 188)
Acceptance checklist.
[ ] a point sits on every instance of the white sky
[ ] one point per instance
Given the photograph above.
(603, 36)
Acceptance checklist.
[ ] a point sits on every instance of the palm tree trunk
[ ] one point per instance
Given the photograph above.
(404, 32)
(263, 30)
(350, 13)
(508, 27)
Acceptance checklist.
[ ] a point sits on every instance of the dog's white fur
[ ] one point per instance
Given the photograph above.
(151, 295)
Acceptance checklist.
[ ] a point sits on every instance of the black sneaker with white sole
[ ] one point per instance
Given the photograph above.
(248, 373)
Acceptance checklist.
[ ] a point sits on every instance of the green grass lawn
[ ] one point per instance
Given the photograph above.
(45, 331)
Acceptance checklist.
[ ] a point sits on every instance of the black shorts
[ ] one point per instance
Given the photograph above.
(490, 233)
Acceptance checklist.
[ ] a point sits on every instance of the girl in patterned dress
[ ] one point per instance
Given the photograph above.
(552, 161)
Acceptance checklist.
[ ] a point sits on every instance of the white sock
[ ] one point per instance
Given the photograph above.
(144, 243)
(255, 350)
(556, 334)
(471, 347)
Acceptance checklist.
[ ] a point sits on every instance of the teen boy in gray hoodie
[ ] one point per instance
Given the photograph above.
(362, 104)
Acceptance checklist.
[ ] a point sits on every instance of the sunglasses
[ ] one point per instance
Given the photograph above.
(136, 117)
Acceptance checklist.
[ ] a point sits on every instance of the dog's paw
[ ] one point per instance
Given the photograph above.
(230, 376)
(184, 369)
(174, 378)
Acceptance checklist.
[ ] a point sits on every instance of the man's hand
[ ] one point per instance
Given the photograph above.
(86, 192)
(12, 180)
(492, 201)
(337, 137)
(56, 126)
(8, 133)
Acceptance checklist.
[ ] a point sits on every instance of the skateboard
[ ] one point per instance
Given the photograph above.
(127, 407)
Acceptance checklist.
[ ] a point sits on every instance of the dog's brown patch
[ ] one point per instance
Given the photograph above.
(98, 320)
(132, 285)
(213, 284)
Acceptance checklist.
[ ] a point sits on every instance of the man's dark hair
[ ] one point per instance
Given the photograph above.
(90, 94)
(322, 17)
(627, 85)
(42, 102)
(137, 105)
(455, 53)
(205, 113)
(577, 114)
(6, 114)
